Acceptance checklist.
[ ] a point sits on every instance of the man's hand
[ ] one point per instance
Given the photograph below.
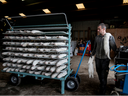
(91, 55)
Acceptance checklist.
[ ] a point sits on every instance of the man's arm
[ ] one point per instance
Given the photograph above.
(94, 48)
(112, 43)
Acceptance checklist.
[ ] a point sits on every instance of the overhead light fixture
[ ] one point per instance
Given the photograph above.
(80, 6)
(125, 1)
(8, 17)
(3, 1)
(22, 14)
(46, 11)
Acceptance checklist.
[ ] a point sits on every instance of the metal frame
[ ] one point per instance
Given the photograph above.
(47, 27)
(124, 72)
(42, 15)
(14, 27)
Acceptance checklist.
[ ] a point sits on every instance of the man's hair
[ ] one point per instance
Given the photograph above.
(102, 25)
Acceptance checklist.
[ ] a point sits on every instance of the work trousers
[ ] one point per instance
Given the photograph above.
(102, 68)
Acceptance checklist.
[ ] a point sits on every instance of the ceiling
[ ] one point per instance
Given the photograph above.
(94, 9)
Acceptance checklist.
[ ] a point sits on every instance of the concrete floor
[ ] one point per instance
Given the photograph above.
(30, 86)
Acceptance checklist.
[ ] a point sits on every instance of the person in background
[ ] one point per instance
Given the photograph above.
(80, 42)
(101, 59)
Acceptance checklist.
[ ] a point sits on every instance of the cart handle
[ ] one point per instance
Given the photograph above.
(112, 67)
(82, 58)
(119, 71)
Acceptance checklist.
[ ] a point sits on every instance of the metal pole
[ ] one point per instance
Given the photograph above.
(69, 31)
(81, 59)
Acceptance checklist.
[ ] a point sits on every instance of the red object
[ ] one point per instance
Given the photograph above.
(115, 80)
(88, 47)
(87, 53)
(80, 54)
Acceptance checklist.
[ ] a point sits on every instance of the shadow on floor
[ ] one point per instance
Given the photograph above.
(31, 86)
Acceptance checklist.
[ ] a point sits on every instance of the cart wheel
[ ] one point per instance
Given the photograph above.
(114, 93)
(77, 76)
(71, 84)
(15, 80)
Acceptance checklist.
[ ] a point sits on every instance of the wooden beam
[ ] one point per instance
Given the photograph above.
(78, 34)
(88, 33)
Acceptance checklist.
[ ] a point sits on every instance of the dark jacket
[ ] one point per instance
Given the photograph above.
(99, 46)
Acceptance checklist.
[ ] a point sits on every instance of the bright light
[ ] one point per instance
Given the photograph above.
(22, 14)
(3, 1)
(80, 6)
(8, 17)
(125, 1)
(46, 11)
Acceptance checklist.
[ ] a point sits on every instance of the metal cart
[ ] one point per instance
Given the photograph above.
(49, 25)
(122, 56)
(122, 84)
(73, 81)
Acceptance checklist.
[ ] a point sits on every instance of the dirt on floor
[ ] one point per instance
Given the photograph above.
(47, 87)
(31, 86)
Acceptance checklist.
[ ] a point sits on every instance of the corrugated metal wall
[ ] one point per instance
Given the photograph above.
(84, 29)
(83, 25)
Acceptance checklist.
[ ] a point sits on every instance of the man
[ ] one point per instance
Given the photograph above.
(101, 58)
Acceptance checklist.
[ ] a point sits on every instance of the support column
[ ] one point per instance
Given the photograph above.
(62, 86)
(88, 36)
(78, 35)
(83, 34)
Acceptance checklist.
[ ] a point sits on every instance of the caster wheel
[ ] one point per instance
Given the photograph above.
(115, 93)
(15, 80)
(77, 77)
(71, 84)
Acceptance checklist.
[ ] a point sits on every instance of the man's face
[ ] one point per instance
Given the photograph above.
(100, 30)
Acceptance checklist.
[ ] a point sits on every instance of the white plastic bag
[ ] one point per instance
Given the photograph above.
(90, 67)
(76, 51)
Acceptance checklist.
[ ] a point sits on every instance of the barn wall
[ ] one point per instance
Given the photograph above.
(83, 25)
(123, 32)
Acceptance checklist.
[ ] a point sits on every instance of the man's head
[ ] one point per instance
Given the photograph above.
(101, 28)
